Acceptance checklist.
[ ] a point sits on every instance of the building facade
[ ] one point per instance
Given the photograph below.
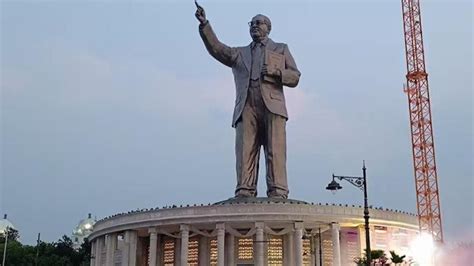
(259, 231)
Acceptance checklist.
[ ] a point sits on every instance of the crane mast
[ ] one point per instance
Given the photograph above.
(426, 179)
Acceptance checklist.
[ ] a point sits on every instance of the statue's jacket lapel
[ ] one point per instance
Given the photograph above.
(272, 93)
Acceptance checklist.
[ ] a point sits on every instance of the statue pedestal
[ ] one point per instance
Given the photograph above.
(259, 200)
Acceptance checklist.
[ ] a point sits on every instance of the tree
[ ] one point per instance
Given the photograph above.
(84, 253)
(16, 254)
(64, 247)
(360, 261)
(49, 254)
(395, 258)
(58, 253)
(12, 233)
(377, 256)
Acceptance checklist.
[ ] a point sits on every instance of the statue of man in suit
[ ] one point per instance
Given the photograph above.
(260, 112)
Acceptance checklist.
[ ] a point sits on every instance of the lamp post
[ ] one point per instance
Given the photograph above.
(361, 183)
(37, 249)
(320, 247)
(5, 247)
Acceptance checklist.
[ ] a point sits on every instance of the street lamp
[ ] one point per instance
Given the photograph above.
(6, 244)
(361, 183)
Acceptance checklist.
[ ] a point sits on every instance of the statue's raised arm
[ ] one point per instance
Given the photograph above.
(223, 53)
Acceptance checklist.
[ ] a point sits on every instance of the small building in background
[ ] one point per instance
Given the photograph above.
(4, 224)
(82, 230)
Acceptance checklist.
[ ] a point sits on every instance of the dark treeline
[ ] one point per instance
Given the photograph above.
(57, 253)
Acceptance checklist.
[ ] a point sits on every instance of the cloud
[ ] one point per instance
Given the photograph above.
(77, 78)
(314, 124)
(174, 97)
(57, 74)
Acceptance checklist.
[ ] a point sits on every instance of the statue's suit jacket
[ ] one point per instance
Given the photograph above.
(240, 60)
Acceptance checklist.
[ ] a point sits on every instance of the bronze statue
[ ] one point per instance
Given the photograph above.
(260, 70)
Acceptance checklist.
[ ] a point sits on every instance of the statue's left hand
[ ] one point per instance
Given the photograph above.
(270, 71)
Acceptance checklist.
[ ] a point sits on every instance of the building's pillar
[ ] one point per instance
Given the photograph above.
(98, 250)
(133, 248)
(153, 246)
(129, 256)
(336, 247)
(125, 249)
(184, 228)
(110, 245)
(229, 242)
(203, 251)
(220, 244)
(93, 252)
(114, 246)
(299, 244)
(288, 253)
(313, 250)
(259, 244)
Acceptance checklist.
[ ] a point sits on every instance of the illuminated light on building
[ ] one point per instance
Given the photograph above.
(380, 237)
(306, 252)
(168, 252)
(350, 245)
(422, 250)
(245, 249)
(275, 251)
(193, 252)
(327, 252)
(213, 252)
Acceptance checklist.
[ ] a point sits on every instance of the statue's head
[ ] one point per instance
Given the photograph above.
(260, 27)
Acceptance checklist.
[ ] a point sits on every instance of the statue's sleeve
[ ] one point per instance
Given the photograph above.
(290, 76)
(223, 53)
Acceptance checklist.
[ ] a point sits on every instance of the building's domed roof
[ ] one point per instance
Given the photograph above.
(85, 226)
(4, 223)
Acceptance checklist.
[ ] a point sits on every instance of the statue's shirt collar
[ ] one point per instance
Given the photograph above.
(262, 42)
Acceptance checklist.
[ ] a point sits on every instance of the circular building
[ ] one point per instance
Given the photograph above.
(251, 231)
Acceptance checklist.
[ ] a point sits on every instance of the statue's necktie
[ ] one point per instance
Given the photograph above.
(256, 61)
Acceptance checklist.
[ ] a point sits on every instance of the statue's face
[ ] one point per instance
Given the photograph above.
(258, 28)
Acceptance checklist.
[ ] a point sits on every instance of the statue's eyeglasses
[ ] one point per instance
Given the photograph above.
(256, 23)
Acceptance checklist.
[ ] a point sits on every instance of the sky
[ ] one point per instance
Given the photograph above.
(110, 106)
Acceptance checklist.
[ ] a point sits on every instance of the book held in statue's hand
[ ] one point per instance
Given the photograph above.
(274, 61)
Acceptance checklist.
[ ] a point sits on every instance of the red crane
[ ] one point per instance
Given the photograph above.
(426, 178)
